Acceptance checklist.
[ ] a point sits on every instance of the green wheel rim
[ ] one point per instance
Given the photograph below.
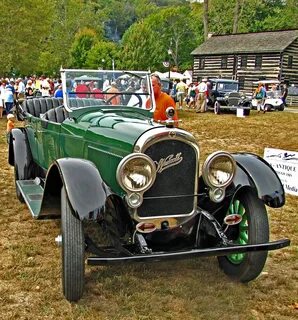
(237, 208)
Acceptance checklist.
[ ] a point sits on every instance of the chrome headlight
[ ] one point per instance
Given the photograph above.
(218, 172)
(136, 173)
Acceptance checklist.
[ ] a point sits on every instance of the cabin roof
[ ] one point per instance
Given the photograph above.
(259, 42)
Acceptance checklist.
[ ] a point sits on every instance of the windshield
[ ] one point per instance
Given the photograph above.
(82, 88)
(273, 94)
(226, 86)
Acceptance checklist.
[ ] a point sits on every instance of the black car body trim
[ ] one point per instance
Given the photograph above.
(265, 179)
(19, 152)
(215, 251)
(88, 201)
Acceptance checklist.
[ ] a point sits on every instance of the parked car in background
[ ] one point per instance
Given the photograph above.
(292, 98)
(129, 189)
(225, 96)
(272, 99)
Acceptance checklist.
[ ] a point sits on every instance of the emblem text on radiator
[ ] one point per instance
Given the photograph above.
(169, 161)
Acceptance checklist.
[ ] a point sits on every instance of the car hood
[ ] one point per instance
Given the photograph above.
(117, 128)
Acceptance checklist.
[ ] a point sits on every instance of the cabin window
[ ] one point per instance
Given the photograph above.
(258, 63)
(243, 62)
(224, 62)
(290, 62)
(201, 63)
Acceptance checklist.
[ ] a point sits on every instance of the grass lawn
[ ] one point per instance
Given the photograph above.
(30, 280)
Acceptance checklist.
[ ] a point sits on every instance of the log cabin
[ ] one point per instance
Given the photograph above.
(249, 57)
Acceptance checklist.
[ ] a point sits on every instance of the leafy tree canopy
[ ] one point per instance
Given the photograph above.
(145, 46)
(39, 36)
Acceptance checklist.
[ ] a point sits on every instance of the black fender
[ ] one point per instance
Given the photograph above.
(19, 153)
(86, 191)
(257, 173)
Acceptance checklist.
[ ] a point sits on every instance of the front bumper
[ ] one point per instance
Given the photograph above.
(179, 255)
(234, 108)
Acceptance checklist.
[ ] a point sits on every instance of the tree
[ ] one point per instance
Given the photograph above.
(84, 41)
(71, 16)
(237, 14)
(25, 27)
(205, 19)
(103, 54)
(145, 46)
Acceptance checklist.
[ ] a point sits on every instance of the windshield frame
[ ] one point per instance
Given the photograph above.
(72, 78)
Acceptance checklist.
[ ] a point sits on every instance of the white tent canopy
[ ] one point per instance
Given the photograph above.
(174, 75)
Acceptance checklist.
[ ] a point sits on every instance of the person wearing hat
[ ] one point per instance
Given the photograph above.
(9, 125)
(201, 96)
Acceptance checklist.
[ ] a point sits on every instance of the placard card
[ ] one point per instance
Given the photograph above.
(285, 163)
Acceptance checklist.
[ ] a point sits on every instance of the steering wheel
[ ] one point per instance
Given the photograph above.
(139, 103)
(108, 101)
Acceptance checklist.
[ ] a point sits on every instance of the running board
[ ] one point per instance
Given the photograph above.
(179, 255)
(32, 192)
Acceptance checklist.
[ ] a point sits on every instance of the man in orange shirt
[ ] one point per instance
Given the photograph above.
(162, 100)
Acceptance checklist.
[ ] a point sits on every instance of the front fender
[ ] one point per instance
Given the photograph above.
(259, 174)
(86, 191)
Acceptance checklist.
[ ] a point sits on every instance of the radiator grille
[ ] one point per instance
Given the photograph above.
(175, 184)
(234, 99)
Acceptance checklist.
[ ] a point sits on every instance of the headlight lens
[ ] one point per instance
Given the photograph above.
(219, 169)
(136, 173)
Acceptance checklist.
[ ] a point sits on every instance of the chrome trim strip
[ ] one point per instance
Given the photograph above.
(105, 152)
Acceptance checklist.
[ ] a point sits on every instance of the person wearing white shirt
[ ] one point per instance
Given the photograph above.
(202, 96)
(45, 87)
(20, 88)
(134, 100)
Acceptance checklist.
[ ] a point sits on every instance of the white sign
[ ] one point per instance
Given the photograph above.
(285, 163)
(240, 113)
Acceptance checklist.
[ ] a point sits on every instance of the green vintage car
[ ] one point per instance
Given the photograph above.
(128, 189)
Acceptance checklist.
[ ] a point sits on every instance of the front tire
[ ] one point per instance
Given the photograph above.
(253, 229)
(217, 107)
(267, 107)
(73, 251)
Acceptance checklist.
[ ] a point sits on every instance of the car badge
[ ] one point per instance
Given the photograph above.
(169, 161)
(172, 134)
(232, 219)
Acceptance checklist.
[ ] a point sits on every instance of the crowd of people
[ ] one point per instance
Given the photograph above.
(20, 88)
(193, 96)
(12, 89)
